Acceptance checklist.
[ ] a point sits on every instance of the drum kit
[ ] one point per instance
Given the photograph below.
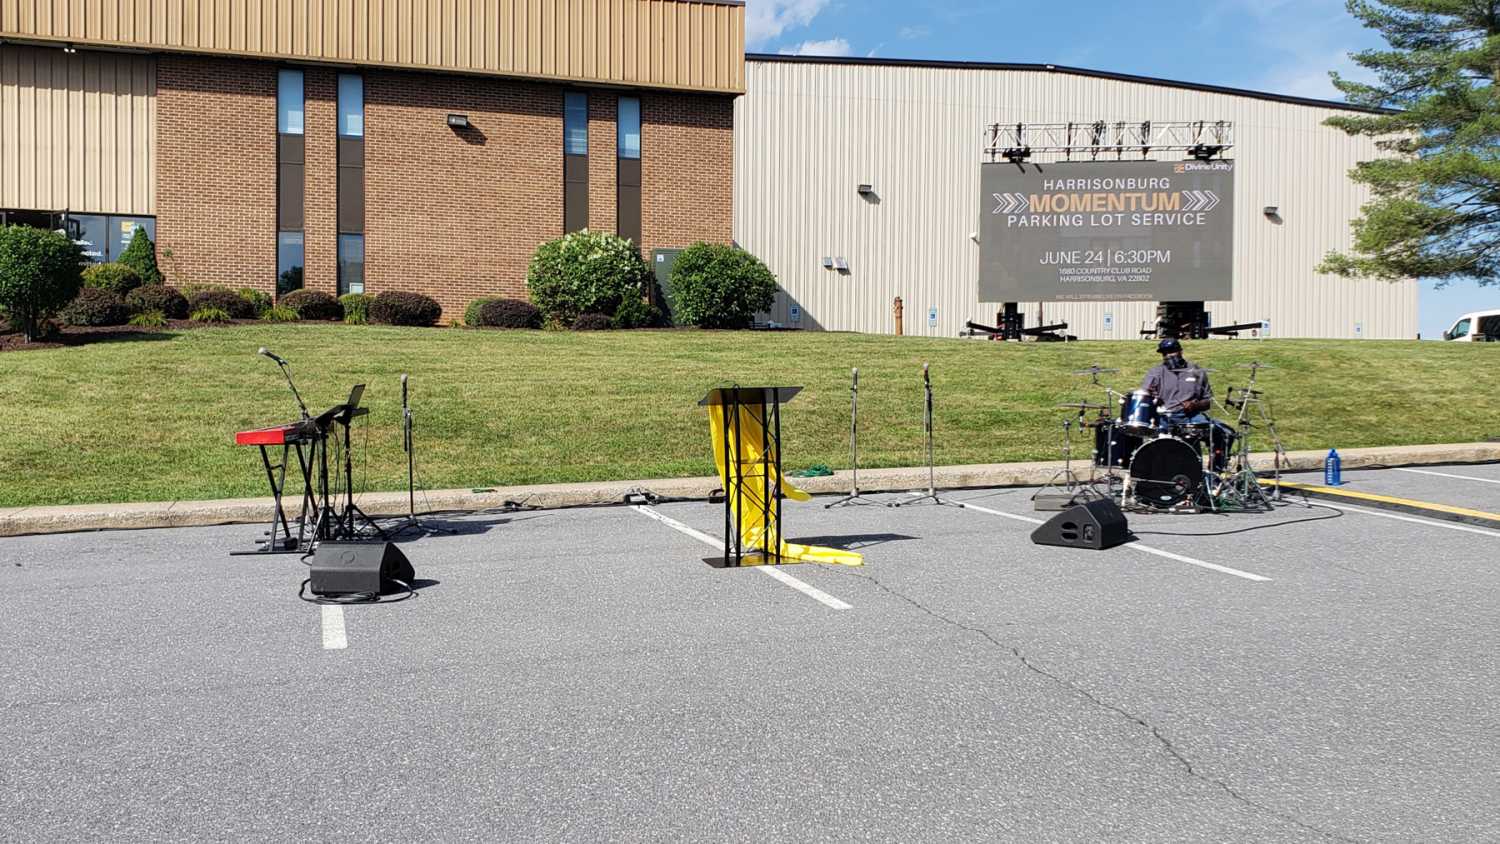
(1148, 464)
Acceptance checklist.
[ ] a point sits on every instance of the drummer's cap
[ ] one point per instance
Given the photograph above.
(1168, 346)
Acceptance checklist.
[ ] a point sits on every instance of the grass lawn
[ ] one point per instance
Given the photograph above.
(154, 418)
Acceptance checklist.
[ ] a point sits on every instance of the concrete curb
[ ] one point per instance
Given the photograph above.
(19, 521)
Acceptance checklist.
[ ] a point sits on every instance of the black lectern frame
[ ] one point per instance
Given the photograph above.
(769, 401)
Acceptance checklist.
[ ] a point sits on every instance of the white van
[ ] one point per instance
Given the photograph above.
(1476, 327)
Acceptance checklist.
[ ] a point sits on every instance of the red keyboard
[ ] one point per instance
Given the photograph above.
(288, 434)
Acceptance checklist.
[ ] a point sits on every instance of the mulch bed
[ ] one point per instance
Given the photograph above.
(84, 335)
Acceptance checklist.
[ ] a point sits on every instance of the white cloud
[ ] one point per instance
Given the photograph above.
(831, 47)
(766, 20)
(912, 33)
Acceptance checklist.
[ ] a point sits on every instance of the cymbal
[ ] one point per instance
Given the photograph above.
(1082, 406)
(1094, 370)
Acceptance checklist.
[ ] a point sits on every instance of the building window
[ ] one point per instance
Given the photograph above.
(289, 102)
(351, 184)
(576, 124)
(575, 162)
(288, 262)
(630, 127)
(351, 105)
(351, 263)
(628, 189)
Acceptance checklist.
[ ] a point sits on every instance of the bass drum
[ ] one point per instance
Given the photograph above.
(1113, 447)
(1166, 472)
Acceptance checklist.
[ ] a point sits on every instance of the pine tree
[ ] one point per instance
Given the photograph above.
(140, 256)
(1435, 213)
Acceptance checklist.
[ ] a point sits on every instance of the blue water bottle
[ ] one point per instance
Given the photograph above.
(1333, 469)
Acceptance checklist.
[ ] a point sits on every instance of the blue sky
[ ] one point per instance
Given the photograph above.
(1284, 46)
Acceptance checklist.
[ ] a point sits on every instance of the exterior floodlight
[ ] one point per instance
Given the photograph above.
(1272, 211)
(841, 265)
(69, 49)
(458, 121)
(866, 190)
(827, 263)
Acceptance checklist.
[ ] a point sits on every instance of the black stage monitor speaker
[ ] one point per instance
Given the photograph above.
(349, 568)
(1096, 525)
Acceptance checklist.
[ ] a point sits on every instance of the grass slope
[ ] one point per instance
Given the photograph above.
(153, 419)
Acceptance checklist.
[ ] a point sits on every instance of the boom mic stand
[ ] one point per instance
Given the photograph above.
(408, 444)
(931, 494)
(853, 497)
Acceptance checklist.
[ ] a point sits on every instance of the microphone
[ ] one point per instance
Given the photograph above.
(286, 370)
(265, 352)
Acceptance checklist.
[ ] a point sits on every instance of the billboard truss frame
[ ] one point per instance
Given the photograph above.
(1017, 142)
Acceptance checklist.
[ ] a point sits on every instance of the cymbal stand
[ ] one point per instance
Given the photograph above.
(1073, 484)
(853, 497)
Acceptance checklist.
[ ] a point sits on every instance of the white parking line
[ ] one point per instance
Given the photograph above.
(1414, 520)
(334, 638)
(1135, 546)
(1448, 475)
(773, 572)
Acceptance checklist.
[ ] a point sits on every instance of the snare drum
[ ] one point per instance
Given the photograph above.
(1138, 414)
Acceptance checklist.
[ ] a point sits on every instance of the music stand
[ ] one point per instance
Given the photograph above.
(742, 498)
(931, 494)
(348, 524)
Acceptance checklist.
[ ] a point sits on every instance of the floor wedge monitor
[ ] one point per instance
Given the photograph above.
(1096, 525)
(350, 568)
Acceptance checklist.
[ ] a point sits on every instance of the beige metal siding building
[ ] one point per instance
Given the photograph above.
(810, 131)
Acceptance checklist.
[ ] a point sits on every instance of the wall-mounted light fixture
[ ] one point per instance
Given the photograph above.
(69, 49)
(458, 121)
(866, 190)
(841, 265)
(974, 236)
(1272, 211)
(827, 263)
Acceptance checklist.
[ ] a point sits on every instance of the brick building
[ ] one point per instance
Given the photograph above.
(369, 145)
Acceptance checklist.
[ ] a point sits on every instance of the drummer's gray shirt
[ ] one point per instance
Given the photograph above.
(1172, 387)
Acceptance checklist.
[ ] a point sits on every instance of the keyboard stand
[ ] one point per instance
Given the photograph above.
(279, 539)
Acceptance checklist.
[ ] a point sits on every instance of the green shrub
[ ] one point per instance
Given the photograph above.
(149, 319)
(39, 274)
(585, 272)
(635, 312)
(95, 306)
(113, 276)
(471, 311)
(279, 313)
(591, 322)
(395, 307)
(211, 315)
(356, 308)
(508, 313)
(260, 301)
(158, 297)
(313, 304)
(222, 299)
(717, 286)
(140, 256)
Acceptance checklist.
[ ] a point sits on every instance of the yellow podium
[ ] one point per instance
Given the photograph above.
(745, 426)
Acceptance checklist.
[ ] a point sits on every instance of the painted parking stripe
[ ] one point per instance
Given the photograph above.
(1134, 546)
(1449, 475)
(773, 572)
(334, 638)
(1414, 520)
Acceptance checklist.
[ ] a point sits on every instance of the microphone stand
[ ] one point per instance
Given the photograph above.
(854, 496)
(408, 444)
(932, 493)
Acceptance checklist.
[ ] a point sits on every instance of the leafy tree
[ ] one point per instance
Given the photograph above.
(140, 256)
(1436, 207)
(39, 273)
(718, 286)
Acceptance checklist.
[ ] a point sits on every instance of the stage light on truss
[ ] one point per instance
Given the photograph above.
(1205, 152)
(1017, 155)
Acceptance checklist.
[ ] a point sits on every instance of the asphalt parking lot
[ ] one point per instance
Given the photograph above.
(1313, 673)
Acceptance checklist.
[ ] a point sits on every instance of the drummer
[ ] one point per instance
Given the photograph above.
(1181, 388)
